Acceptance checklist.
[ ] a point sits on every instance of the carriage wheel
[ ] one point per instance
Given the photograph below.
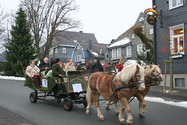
(33, 97)
(68, 104)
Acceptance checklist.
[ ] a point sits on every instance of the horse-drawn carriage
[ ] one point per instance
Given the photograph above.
(72, 89)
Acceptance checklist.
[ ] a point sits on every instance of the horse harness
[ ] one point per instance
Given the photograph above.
(124, 86)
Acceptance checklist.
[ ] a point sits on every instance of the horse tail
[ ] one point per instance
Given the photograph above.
(89, 94)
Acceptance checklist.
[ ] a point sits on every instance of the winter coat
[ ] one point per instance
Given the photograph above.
(104, 67)
(97, 67)
(89, 69)
(57, 70)
(110, 69)
(78, 67)
(69, 67)
(31, 70)
(43, 65)
(120, 67)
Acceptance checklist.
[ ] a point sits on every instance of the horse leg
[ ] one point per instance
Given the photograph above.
(96, 102)
(116, 107)
(142, 105)
(125, 105)
(107, 104)
(89, 99)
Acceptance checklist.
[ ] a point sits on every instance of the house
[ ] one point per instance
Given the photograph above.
(78, 46)
(127, 45)
(170, 38)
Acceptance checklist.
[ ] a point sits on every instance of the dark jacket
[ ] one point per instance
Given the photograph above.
(43, 65)
(97, 67)
(110, 68)
(78, 68)
(89, 69)
(56, 69)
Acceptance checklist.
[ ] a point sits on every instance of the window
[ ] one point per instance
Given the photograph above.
(151, 31)
(107, 55)
(141, 19)
(143, 28)
(175, 3)
(51, 52)
(128, 51)
(113, 53)
(101, 51)
(118, 52)
(56, 50)
(180, 82)
(78, 58)
(177, 40)
(78, 47)
(140, 48)
(63, 50)
(133, 36)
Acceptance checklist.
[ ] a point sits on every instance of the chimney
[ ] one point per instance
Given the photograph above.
(90, 44)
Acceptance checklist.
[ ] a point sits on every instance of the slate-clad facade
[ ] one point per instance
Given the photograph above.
(170, 38)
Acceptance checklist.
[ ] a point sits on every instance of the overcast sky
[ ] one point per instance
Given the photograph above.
(107, 19)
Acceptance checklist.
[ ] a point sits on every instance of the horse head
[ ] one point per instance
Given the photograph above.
(154, 73)
(139, 77)
(132, 74)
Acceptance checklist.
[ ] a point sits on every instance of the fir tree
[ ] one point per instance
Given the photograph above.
(146, 57)
(19, 49)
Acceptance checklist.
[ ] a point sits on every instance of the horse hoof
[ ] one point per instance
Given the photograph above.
(122, 122)
(87, 112)
(141, 115)
(102, 118)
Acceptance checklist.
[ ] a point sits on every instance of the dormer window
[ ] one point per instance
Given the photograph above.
(141, 19)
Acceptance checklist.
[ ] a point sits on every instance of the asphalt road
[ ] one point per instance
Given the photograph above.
(15, 97)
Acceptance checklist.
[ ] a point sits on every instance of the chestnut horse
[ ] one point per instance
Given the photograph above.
(153, 76)
(114, 88)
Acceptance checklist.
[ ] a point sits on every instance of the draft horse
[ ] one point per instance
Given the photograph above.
(153, 76)
(120, 87)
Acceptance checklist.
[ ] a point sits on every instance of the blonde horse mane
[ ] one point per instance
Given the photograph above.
(128, 72)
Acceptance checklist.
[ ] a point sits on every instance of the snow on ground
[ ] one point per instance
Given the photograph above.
(160, 100)
(12, 78)
(151, 99)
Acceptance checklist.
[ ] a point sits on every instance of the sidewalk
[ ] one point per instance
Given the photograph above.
(9, 118)
(178, 94)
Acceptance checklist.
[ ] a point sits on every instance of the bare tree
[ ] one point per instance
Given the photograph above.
(45, 16)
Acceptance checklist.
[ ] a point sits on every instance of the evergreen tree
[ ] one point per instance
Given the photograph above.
(19, 49)
(146, 57)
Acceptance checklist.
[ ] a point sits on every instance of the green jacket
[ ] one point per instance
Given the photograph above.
(56, 70)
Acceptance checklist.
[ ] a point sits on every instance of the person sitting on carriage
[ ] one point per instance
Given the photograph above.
(33, 72)
(57, 70)
(69, 66)
(44, 66)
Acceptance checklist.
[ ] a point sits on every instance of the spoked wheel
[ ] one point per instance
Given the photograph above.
(68, 104)
(33, 97)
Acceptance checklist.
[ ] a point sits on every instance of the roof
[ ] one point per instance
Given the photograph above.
(121, 42)
(71, 37)
(95, 48)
